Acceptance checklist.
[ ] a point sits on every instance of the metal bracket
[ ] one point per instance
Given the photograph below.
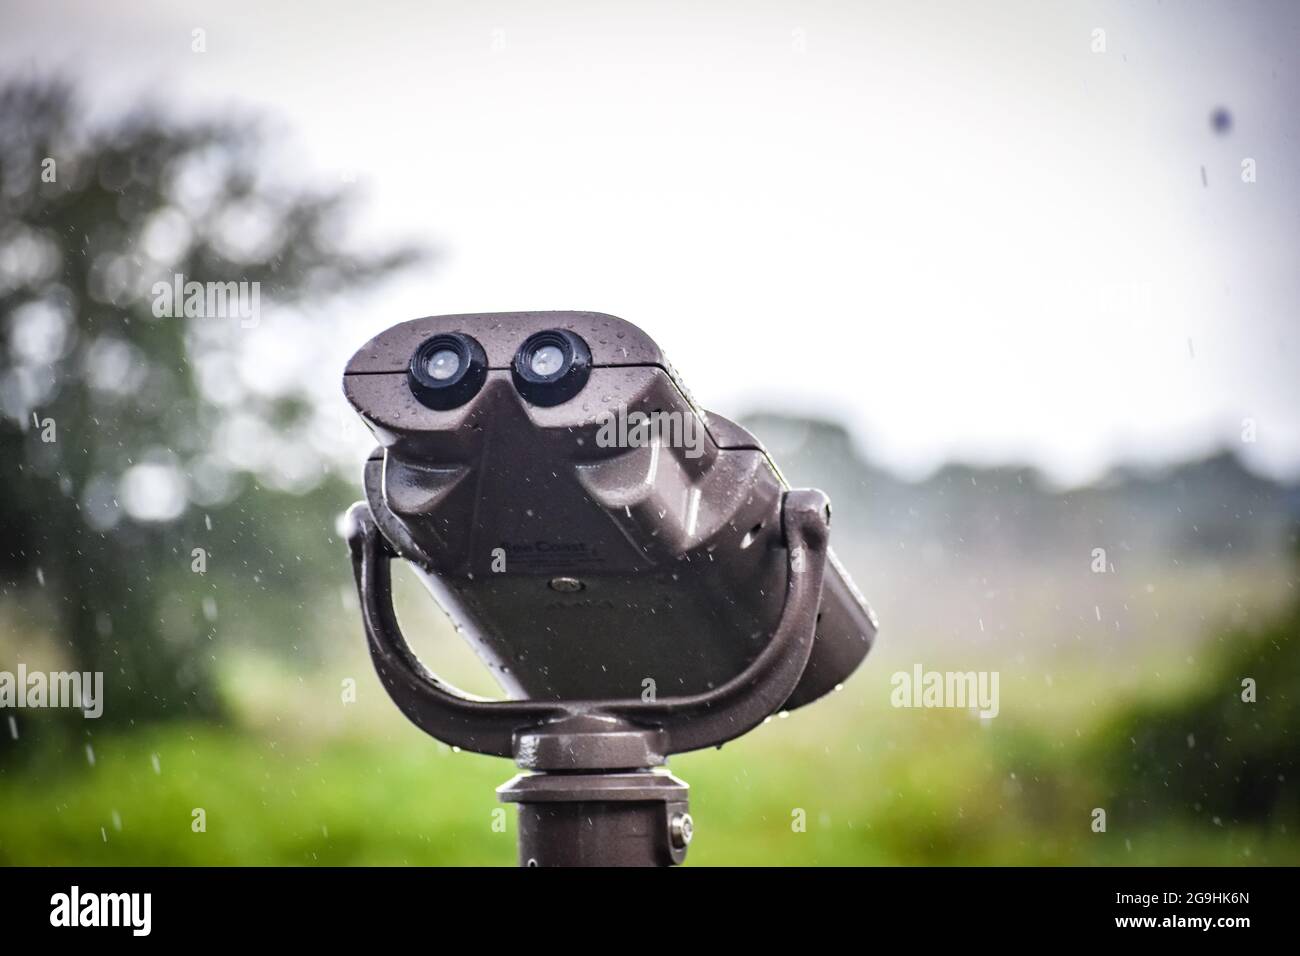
(598, 734)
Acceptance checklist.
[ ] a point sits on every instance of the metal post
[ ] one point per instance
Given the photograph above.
(636, 818)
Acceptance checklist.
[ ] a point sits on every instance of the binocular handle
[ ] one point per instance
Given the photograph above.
(505, 728)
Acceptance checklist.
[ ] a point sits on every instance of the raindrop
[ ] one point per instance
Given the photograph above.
(90, 755)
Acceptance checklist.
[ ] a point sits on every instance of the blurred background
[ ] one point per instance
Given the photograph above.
(1038, 265)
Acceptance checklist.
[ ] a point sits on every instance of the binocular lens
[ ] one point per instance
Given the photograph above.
(447, 370)
(547, 360)
(551, 367)
(443, 364)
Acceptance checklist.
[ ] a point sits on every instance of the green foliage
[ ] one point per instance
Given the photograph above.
(939, 793)
(1212, 754)
(348, 803)
(98, 393)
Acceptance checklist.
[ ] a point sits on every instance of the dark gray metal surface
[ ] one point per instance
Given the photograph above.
(627, 819)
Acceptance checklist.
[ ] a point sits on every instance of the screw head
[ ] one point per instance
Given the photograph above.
(682, 828)
(565, 585)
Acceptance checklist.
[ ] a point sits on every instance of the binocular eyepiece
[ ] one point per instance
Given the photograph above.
(551, 366)
(449, 368)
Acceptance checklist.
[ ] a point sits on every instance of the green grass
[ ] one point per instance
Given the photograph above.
(888, 787)
(297, 776)
(265, 803)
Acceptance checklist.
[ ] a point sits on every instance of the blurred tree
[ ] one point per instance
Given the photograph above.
(123, 430)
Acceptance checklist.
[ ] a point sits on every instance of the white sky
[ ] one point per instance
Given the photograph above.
(955, 228)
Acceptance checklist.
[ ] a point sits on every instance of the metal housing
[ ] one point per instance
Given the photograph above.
(677, 546)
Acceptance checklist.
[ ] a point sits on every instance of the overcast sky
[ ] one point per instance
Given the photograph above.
(961, 230)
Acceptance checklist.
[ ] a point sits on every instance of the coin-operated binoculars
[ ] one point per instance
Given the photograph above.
(635, 572)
